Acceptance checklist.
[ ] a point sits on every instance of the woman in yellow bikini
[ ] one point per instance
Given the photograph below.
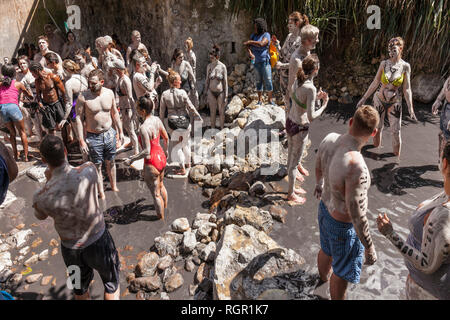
(393, 74)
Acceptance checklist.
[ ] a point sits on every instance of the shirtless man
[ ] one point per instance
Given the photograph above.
(342, 174)
(135, 44)
(98, 108)
(178, 105)
(70, 198)
(107, 55)
(126, 103)
(305, 98)
(216, 87)
(55, 40)
(51, 96)
(444, 96)
(43, 50)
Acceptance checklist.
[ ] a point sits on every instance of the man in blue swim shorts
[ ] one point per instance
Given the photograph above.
(342, 182)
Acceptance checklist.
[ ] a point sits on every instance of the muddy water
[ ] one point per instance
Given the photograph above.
(131, 215)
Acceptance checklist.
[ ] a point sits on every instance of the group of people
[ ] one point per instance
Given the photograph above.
(94, 102)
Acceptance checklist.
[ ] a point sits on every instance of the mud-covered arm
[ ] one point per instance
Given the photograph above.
(69, 100)
(435, 247)
(189, 106)
(441, 96)
(129, 92)
(39, 213)
(294, 65)
(147, 146)
(311, 105)
(13, 169)
(60, 86)
(373, 86)
(225, 83)
(208, 71)
(79, 108)
(407, 92)
(191, 74)
(116, 116)
(356, 186)
(162, 108)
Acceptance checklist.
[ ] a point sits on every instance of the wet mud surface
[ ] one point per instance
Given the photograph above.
(130, 215)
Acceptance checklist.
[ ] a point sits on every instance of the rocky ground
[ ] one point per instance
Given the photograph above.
(229, 233)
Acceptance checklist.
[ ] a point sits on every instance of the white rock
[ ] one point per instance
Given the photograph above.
(180, 225)
(5, 260)
(20, 238)
(37, 173)
(43, 255)
(25, 251)
(209, 252)
(32, 260)
(189, 241)
(10, 198)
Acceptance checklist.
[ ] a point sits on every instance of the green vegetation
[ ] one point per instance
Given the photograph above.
(424, 24)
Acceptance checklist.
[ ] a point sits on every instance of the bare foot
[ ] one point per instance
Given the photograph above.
(300, 178)
(296, 199)
(160, 217)
(302, 170)
(180, 172)
(300, 190)
(101, 196)
(115, 189)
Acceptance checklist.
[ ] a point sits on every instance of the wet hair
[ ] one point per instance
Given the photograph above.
(51, 57)
(135, 33)
(309, 32)
(146, 103)
(71, 65)
(97, 73)
(176, 53)
(446, 152)
(261, 26)
(215, 51)
(172, 76)
(14, 61)
(52, 150)
(36, 66)
(190, 43)
(9, 73)
(309, 64)
(42, 38)
(22, 51)
(365, 120)
(24, 57)
(304, 20)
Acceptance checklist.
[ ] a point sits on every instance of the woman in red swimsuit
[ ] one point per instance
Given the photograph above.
(155, 157)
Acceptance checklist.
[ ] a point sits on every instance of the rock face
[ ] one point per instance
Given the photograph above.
(247, 262)
(259, 219)
(37, 173)
(146, 267)
(233, 109)
(168, 244)
(426, 87)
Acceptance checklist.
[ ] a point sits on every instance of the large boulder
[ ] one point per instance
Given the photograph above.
(168, 244)
(425, 87)
(249, 263)
(233, 109)
(259, 219)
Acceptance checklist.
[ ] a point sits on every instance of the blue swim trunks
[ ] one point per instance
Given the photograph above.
(102, 146)
(340, 241)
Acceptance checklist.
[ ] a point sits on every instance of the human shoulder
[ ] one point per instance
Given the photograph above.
(406, 67)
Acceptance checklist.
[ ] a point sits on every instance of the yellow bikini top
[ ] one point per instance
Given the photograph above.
(397, 82)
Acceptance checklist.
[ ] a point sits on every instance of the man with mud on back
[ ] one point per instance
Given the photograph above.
(342, 174)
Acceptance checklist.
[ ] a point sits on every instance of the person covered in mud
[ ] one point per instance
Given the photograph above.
(74, 85)
(71, 46)
(342, 181)
(444, 96)
(190, 54)
(30, 107)
(98, 107)
(107, 55)
(293, 41)
(11, 116)
(155, 157)
(178, 106)
(135, 44)
(70, 197)
(50, 95)
(43, 50)
(427, 248)
(305, 98)
(53, 65)
(391, 80)
(216, 87)
(141, 82)
(309, 36)
(188, 80)
(124, 91)
(55, 38)
(81, 58)
(258, 50)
